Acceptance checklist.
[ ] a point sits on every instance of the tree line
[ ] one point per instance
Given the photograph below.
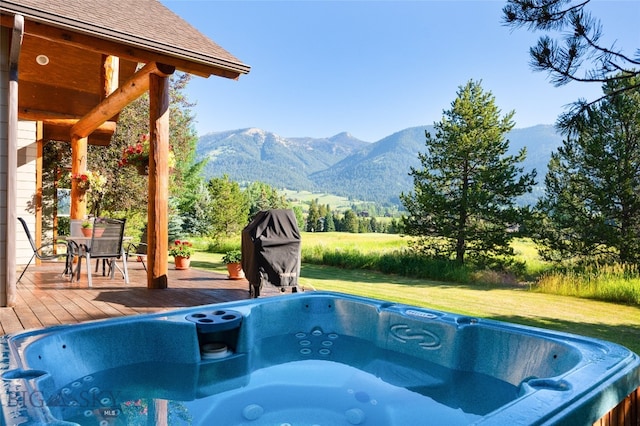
(320, 218)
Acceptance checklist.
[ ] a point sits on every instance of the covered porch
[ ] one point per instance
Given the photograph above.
(67, 70)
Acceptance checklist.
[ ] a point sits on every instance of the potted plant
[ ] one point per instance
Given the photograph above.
(181, 252)
(233, 259)
(95, 227)
(99, 226)
(87, 228)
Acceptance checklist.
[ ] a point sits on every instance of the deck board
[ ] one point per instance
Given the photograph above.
(46, 298)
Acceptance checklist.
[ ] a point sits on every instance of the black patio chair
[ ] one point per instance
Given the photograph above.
(46, 251)
(139, 251)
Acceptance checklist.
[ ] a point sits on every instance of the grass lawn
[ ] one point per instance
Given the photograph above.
(608, 321)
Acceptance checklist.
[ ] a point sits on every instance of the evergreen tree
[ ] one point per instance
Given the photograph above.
(394, 227)
(262, 196)
(192, 202)
(466, 189)
(373, 225)
(364, 225)
(591, 208)
(297, 210)
(338, 221)
(329, 224)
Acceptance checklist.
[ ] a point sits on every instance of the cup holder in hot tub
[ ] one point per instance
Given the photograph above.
(218, 332)
(216, 321)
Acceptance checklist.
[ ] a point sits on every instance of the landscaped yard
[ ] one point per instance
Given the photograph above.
(609, 321)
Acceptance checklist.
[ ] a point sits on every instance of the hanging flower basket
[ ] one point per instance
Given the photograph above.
(138, 156)
(143, 169)
(89, 181)
(82, 181)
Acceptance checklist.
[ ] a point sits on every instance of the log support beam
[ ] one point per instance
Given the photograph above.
(78, 165)
(158, 207)
(121, 97)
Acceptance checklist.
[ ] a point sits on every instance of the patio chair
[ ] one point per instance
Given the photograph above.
(106, 244)
(42, 252)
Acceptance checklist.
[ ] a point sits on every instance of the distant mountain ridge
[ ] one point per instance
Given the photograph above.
(342, 164)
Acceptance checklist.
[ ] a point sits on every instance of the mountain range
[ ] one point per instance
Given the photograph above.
(344, 165)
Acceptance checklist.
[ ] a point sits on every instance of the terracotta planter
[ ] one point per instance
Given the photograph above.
(182, 262)
(235, 271)
(87, 232)
(98, 232)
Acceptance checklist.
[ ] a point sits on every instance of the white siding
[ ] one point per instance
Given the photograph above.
(26, 188)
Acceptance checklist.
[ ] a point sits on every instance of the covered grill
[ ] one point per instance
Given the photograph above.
(271, 250)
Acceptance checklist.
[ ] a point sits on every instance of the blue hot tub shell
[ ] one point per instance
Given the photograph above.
(545, 377)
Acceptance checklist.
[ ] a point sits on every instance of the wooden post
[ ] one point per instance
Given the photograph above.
(158, 215)
(110, 74)
(38, 197)
(78, 165)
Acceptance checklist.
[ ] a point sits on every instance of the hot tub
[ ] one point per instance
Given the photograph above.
(310, 359)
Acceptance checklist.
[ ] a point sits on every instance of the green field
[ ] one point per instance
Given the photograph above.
(347, 241)
(518, 304)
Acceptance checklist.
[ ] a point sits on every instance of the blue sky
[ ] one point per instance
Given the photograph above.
(372, 68)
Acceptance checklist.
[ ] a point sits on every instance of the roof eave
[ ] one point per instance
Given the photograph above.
(218, 65)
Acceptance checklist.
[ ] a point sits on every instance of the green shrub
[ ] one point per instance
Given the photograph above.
(400, 262)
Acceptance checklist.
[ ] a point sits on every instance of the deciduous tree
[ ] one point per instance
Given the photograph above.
(228, 208)
(126, 191)
(313, 216)
(464, 196)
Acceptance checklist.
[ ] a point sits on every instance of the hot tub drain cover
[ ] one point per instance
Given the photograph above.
(220, 320)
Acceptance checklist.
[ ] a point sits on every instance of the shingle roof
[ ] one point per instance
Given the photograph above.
(145, 24)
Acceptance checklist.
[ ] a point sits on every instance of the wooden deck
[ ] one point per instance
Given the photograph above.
(45, 298)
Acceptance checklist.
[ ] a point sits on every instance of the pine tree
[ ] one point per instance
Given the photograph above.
(465, 192)
(591, 208)
(329, 224)
(580, 55)
(262, 196)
